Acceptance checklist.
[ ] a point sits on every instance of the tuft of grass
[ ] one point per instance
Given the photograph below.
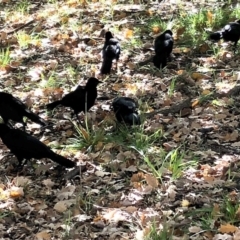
(176, 164)
(53, 81)
(206, 98)
(23, 6)
(4, 57)
(24, 40)
(229, 210)
(134, 41)
(165, 233)
(172, 87)
(156, 25)
(87, 138)
(68, 223)
(194, 27)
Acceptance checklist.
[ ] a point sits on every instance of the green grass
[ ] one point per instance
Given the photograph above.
(5, 57)
(86, 138)
(166, 233)
(229, 210)
(24, 39)
(172, 87)
(156, 25)
(23, 6)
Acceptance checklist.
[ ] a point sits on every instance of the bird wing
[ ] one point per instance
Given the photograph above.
(11, 107)
(233, 26)
(12, 102)
(124, 105)
(111, 49)
(71, 98)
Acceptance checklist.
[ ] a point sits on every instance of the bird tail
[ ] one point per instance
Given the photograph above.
(216, 36)
(35, 118)
(62, 160)
(52, 105)
(159, 61)
(106, 66)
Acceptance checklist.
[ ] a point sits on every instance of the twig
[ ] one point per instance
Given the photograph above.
(21, 27)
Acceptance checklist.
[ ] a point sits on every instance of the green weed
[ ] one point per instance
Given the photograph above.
(5, 57)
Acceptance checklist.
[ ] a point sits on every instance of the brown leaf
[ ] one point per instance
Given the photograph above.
(16, 192)
(43, 235)
(137, 177)
(209, 16)
(180, 31)
(185, 203)
(128, 33)
(227, 228)
(151, 180)
(204, 48)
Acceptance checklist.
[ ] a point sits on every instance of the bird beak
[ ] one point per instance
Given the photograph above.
(99, 82)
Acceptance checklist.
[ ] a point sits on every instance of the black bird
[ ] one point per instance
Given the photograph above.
(14, 109)
(163, 46)
(81, 99)
(230, 32)
(125, 110)
(25, 146)
(111, 51)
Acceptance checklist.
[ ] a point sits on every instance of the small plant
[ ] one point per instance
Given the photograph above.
(166, 233)
(134, 41)
(53, 81)
(136, 138)
(24, 40)
(203, 217)
(215, 49)
(23, 6)
(5, 57)
(86, 138)
(194, 25)
(176, 164)
(156, 25)
(67, 225)
(172, 87)
(230, 210)
(205, 98)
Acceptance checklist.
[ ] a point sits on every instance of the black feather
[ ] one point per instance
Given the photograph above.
(125, 110)
(111, 51)
(25, 146)
(230, 32)
(80, 98)
(163, 46)
(12, 108)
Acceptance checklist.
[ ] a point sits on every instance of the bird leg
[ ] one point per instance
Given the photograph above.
(78, 120)
(24, 126)
(21, 162)
(117, 66)
(235, 47)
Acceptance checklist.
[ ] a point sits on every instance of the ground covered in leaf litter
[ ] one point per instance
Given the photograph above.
(128, 182)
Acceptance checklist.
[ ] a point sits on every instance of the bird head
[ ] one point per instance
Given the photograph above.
(92, 82)
(168, 32)
(108, 35)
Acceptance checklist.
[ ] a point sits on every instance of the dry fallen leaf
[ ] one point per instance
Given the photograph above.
(228, 228)
(16, 192)
(43, 235)
(151, 180)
